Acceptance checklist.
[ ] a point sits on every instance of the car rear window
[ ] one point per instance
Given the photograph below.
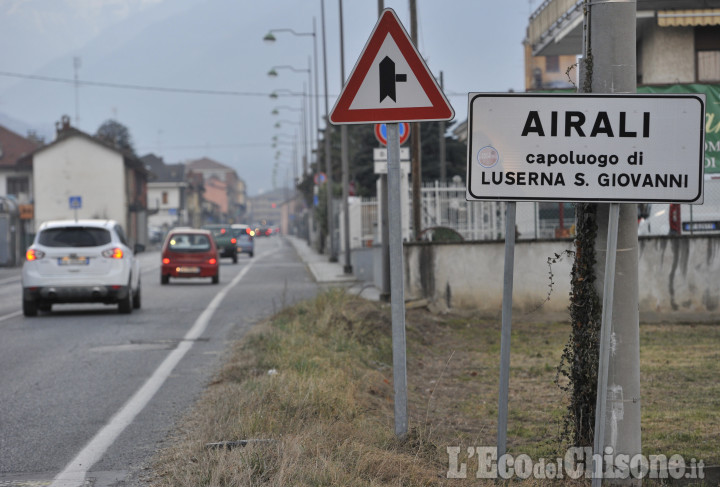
(74, 237)
(189, 242)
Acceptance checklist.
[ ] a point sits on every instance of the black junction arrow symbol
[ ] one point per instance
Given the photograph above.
(388, 79)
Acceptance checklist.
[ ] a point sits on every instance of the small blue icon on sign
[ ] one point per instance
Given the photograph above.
(75, 202)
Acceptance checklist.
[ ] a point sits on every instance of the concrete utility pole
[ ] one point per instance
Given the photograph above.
(345, 163)
(415, 142)
(328, 159)
(610, 66)
(384, 226)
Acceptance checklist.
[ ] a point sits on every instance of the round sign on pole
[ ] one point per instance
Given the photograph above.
(320, 178)
(381, 132)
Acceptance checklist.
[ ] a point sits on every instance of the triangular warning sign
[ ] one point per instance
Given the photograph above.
(390, 82)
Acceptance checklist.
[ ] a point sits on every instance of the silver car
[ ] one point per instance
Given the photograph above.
(79, 262)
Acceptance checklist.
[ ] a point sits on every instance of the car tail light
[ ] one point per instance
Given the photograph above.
(165, 260)
(233, 241)
(33, 254)
(212, 261)
(115, 253)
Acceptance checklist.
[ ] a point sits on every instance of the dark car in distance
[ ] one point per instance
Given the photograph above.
(189, 252)
(245, 237)
(224, 239)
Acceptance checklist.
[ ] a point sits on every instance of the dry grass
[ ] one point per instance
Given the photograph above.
(328, 411)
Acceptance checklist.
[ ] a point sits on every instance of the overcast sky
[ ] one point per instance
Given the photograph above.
(216, 46)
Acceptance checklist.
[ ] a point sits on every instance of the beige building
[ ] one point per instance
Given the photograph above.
(678, 41)
(233, 204)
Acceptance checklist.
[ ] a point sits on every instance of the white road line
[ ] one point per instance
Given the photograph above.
(145, 270)
(11, 315)
(10, 279)
(75, 472)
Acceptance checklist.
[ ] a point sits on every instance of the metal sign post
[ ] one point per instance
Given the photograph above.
(391, 84)
(506, 328)
(397, 290)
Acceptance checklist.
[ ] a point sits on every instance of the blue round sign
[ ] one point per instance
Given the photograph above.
(381, 132)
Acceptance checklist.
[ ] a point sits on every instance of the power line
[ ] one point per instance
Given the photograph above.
(126, 86)
(203, 146)
(165, 89)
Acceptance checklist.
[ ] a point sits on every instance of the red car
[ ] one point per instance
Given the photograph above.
(189, 252)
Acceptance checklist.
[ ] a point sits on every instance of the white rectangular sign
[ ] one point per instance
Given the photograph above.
(586, 147)
(380, 154)
(380, 167)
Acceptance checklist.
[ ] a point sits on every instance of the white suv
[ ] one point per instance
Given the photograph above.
(79, 262)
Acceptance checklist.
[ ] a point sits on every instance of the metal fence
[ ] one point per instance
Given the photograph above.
(369, 221)
(444, 206)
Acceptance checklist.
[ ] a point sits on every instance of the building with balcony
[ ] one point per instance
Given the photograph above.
(678, 51)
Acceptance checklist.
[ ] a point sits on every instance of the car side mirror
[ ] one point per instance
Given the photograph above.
(138, 248)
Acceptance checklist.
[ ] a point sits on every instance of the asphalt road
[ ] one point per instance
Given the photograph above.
(87, 394)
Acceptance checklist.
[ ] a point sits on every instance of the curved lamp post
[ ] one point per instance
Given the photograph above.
(270, 38)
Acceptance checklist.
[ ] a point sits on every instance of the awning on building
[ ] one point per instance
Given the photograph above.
(688, 18)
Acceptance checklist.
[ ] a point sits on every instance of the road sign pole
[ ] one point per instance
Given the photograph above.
(510, 210)
(604, 355)
(397, 292)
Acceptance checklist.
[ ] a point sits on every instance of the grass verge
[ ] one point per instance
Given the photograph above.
(313, 386)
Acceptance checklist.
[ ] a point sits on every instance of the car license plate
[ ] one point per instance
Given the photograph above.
(188, 270)
(73, 260)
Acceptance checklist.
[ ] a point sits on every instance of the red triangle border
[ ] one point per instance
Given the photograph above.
(440, 108)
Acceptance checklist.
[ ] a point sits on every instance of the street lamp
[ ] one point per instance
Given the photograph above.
(279, 123)
(302, 125)
(276, 93)
(328, 165)
(274, 74)
(307, 151)
(344, 157)
(276, 110)
(269, 37)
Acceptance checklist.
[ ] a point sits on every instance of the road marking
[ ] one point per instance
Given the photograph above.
(11, 315)
(75, 472)
(145, 270)
(10, 279)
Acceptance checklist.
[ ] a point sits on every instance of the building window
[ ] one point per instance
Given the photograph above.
(708, 65)
(552, 64)
(164, 198)
(707, 53)
(17, 185)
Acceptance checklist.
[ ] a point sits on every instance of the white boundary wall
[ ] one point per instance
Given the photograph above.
(678, 276)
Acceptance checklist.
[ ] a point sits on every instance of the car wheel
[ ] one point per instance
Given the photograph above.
(234, 258)
(136, 297)
(30, 307)
(45, 307)
(125, 305)
(216, 278)
(164, 279)
(251, 254)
